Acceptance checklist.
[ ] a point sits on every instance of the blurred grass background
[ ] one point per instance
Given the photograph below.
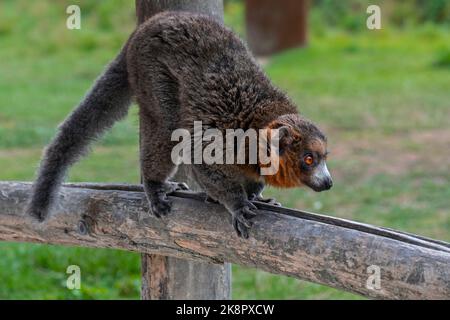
(382, 97)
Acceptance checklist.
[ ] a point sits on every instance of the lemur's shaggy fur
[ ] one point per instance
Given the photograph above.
(182, 68)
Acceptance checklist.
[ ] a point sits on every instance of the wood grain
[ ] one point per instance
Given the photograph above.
(280, 242)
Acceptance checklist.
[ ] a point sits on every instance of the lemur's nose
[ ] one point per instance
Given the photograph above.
(328, 183)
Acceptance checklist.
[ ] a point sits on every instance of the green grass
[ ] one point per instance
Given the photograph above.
(382, 98)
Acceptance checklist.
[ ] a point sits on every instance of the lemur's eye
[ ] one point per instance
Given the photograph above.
(308, 159)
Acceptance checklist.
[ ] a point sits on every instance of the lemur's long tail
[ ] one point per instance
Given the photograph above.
(105, 103)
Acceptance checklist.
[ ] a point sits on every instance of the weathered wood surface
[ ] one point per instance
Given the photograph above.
(167, 277)
(307, 246)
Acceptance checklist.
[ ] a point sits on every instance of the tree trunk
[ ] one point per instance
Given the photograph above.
(273, 26)
(147, 8)
(166, 277)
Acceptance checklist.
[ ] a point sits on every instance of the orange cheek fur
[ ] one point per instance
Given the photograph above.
(288, 175)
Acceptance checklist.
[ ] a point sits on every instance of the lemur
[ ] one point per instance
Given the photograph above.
(180, 68)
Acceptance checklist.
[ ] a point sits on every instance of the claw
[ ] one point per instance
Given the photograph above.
(160, 207)
(272, 201)
(241, 229)
(249, 212)
(38, 215)
(175, 186)
(259, 198)
(244, 221)
(240, 219)
(251, 206)
(183, 186)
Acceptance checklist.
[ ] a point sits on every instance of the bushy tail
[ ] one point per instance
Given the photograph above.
(106, 102)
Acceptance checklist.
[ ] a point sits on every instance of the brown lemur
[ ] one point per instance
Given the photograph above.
(181, 68)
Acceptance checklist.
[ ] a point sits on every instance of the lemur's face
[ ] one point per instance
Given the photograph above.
(303, 155)
(313, 167)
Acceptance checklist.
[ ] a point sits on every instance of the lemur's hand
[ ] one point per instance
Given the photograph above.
(172, 186)
(260, 198)
(38, 214)
(240, 218)
(160, 205)
(156, 193)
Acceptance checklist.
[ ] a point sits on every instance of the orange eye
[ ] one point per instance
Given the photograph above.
(309, 160)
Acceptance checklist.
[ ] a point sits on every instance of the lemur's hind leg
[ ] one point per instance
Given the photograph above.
(156, 164)
(254, 191)
(157, 96)
(212, 178)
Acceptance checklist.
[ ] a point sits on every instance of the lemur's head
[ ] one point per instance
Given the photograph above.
(302, 154)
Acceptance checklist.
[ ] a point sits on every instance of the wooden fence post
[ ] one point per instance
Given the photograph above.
(273, 26)
(166, 277)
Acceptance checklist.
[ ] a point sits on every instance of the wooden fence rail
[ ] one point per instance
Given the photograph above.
(331, 251)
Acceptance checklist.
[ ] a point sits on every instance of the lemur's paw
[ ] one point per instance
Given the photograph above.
(259, 198)
(172, 186)
(240, 219)
(38, 214)
(160, 206)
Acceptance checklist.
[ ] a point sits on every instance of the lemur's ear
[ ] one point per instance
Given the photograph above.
(285, 136)
(285, 139)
